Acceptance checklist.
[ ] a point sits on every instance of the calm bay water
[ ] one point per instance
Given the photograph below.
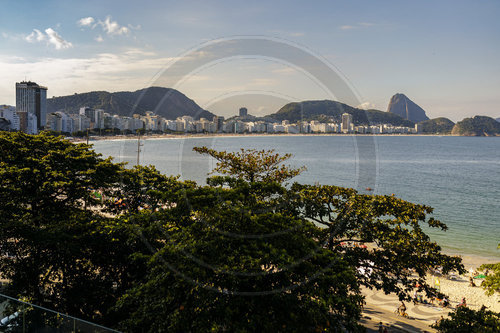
(458, 176)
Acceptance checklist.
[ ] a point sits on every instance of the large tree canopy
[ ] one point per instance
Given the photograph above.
(49, 235)
(231, 261)
(249, 251)
(399, 252)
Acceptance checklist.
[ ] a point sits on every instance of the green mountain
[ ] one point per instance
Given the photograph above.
(477, 126)
(166, 102)
(327, 110)
(437, 125)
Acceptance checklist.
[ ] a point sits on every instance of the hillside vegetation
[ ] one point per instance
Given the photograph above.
(439, 125)
(166, 102)
(477, 126)
(333, 110)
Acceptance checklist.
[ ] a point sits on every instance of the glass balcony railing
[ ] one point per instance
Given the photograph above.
(18, 316)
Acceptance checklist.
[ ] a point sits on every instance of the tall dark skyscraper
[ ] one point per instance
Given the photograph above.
(243, 112)
(32, 98)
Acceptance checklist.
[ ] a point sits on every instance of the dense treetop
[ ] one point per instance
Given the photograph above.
(250, 251)
(437, 126)
(477, 126)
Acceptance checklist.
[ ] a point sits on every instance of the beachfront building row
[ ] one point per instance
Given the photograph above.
(30, 113)
(96, 119)
(13, 120)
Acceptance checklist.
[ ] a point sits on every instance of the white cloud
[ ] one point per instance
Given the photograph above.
(35, 36)
(139, 52)
(85, 21)
(55, 39)
(347, 27)
(108, 26)
(112, 27)
(366, 106)
(65, 76)
(50, 36)
(137, 27)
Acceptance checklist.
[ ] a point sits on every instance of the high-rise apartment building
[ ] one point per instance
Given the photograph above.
(32, 98)
(346, 122)
(219, 123)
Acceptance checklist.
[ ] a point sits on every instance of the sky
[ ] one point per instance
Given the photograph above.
(444, 55)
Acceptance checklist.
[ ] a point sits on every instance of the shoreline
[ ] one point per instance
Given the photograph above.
(236, 135)
(472, 260)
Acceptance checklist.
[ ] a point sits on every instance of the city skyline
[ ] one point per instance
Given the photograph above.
(443, 57)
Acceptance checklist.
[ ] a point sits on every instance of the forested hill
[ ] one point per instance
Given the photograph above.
(439, 125)
(477, 126)
(332, 110)
(166, 102)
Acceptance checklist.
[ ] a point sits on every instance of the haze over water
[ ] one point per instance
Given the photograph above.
(458, 176)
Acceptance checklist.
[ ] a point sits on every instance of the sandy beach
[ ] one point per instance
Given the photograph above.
(380, 307)
(475, 296)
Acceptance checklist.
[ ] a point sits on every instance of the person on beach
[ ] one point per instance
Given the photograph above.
(380, 328)
(402, 309)
(471, 280)
(463, 303)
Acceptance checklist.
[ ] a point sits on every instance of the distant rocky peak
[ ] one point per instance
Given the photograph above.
(404, 107)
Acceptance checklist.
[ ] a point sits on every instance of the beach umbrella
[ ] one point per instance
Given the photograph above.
(480, 276)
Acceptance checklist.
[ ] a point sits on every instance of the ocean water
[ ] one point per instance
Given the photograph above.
(458, 176)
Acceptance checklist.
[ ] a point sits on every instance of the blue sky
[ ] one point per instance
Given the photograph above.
(442, 54)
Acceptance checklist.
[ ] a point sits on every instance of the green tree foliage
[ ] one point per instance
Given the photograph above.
(252, 165)
(241, 250)
(437, 126)
(393, 226)
(233, 260)
(401, 253)
(477, 126)
(50, 240)
(465, 320)
(246, 252)
(492, 281)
